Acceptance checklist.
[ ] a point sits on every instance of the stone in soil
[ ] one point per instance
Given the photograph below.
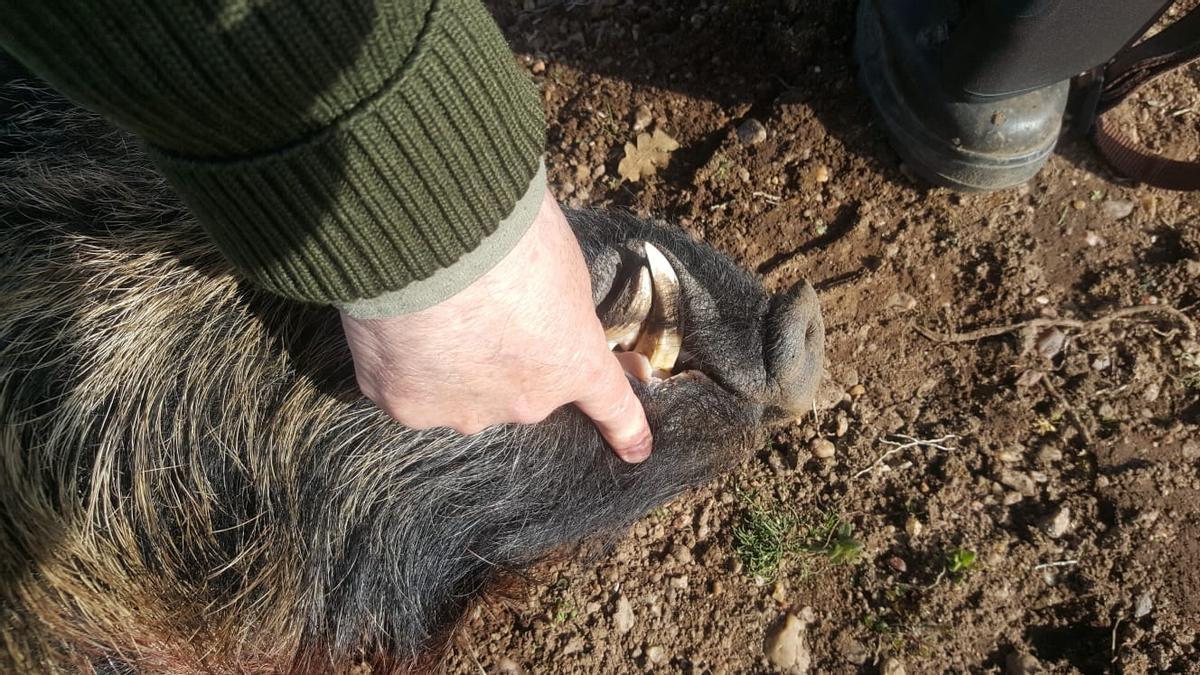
(751, 132)
(682, 554)
(1020, 663)
(1116, 209)
(786, 646)
(656, 655)
(913, 527)
(622, 617)
(1021, 482)
(822, 448)
(1058, 524)
(1143, 606)
(892, 666)
(642, 118)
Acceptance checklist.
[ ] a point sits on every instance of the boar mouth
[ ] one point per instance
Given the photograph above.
(644, 317)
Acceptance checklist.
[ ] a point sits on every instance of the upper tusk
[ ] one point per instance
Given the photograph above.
(632, 306)
(662, 334)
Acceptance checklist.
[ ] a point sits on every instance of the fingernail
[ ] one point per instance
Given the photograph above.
(640, 451)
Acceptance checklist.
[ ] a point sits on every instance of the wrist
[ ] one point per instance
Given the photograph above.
(449, 281)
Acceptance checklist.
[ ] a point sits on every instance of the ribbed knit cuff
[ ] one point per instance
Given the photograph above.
(402, 185)
(449, 281)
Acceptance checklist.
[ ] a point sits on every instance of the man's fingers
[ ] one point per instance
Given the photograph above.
(617, 412)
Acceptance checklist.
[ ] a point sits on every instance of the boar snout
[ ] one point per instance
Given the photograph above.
(793, 349)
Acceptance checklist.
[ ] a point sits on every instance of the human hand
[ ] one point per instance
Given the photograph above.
(513, 346)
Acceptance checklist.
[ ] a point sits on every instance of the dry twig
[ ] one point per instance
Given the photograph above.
(1057, 563)
(905, 443)
(1076, 420)
(1083, 325)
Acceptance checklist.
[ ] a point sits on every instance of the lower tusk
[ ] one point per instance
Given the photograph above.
(634, 302)
(661, 336)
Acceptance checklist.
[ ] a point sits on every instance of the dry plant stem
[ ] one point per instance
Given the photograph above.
(908, 442)
(1116, 627)
(1058, 563)
(1090, 324)
(1076, 420)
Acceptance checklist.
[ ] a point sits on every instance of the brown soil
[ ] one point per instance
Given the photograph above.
(1107, 428)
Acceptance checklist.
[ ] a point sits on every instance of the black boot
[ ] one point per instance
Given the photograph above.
(947, 137)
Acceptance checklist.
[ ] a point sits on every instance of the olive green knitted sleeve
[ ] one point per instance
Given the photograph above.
(335, 150)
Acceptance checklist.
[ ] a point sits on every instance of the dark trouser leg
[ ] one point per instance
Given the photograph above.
(972, 94)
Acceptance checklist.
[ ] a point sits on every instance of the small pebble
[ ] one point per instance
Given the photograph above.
(901, 301)
(786, 646)
(1094, 239)
(538, 67)
(1101, 362)
(1049, 455)
(1009, 456)
(1020, 663)
(822, 448)
(1116, 209)
(779, 592)
(913, 527)
(1018, 481)
(679, 583)
(751, 132)
(897, 563)
(1050, 342)
(1058, 524)
(1079, 204)
(622, 616)
(821, 174)
(642, 118)
(892, 666)
(1143, 605)
(656, 655)
(682, 554)
(843, 424)
(857, 391)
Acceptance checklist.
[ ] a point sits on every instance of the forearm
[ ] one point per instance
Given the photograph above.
(334, 150)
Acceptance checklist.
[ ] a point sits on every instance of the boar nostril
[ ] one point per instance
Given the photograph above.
(794, 346)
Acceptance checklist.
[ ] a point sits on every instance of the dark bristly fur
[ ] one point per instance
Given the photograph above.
(189, 479)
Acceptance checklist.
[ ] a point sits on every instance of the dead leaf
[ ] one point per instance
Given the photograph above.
(649, 155)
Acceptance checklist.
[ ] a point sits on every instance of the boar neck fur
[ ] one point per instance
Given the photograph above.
(191, 480)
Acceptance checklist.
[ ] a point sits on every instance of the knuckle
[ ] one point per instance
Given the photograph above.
(531, 415)
(468, 428)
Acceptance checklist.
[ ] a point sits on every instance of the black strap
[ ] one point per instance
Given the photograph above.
(1132, 67)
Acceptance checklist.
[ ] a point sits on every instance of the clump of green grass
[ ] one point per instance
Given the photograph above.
(770, 536)
(1190, 364)
(959, 562)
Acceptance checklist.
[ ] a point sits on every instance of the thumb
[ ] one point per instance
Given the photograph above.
(614, 408)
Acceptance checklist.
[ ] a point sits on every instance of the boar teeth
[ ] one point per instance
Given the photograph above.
(633, 303)
(661, 337)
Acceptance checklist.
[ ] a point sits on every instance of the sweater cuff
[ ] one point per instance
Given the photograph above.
(449, 281)
(403, 184)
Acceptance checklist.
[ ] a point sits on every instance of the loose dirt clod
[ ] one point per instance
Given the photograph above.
(786, 646)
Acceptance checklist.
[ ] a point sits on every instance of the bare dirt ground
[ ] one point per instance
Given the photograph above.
(1055, 527)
